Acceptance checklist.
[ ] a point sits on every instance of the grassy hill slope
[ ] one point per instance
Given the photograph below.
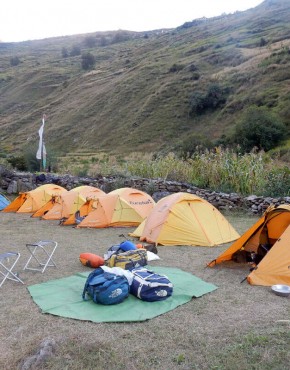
(137, 96)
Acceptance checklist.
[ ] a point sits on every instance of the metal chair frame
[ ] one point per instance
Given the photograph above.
(41, 255)
(7, 270)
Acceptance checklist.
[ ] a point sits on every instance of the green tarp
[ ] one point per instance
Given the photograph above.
(63, 297)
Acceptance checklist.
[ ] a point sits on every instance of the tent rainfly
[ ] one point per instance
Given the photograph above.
(271, 233)
(139, 201)
(111, 210)
(31, 201)
(70, 202)
(185, 219)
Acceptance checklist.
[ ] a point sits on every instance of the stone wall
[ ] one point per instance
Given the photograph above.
(12, 183)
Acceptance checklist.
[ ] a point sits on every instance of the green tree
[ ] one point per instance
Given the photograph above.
(14, 61)
(88, 61)
(76, 50)
(64, 52)
(90, 41)
(259, 128)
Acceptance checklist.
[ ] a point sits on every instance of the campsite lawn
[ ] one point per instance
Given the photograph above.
(237, 326)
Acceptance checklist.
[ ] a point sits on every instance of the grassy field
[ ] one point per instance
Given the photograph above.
(237, 326)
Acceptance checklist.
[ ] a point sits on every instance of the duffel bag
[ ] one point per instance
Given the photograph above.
(105, 287)
(128, 260)
(149, 286)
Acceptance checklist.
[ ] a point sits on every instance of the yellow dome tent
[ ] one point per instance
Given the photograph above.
(273, 228)
(31, 201)
(185, 219)
(141, 201)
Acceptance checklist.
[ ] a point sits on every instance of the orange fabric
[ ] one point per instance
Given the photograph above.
(250, 240)
(274, 268)
(111, 211)
(70, 202)
(91, 260)
(44, 209)
(33, 200)
(16, 204)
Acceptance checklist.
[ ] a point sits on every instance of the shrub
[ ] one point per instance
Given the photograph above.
(259, 128)
(214, 98)
(88, 61)
(14, 61)
(76, 50)
(90, 41)
(64, 52)
(176, 68)
(277, 182)
(194, 144)
(18, 163)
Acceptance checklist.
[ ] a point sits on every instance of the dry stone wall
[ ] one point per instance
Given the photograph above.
(12, 183)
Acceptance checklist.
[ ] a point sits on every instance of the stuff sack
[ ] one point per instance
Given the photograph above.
(91, 260)
(106, 288)
(128, 260)
(149, 286)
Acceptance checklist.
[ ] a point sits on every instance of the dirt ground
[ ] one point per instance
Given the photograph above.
(230, 328)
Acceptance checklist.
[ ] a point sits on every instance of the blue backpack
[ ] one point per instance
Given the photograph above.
(105, 287)
(149, 286)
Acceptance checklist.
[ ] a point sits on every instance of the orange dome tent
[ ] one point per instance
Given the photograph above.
(70, 202)
(31, 201)
(111, 210)
(141, 202)
(272, 229)
(185, 219)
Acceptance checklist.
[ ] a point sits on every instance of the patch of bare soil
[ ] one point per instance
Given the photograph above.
(196, 335)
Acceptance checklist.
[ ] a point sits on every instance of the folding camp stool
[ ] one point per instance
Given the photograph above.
(40, 255)
(7, 262)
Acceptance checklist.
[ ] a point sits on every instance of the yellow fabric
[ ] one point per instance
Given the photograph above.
(185, 219)
(139, 200)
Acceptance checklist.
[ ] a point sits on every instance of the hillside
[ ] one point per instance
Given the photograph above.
(137, 96)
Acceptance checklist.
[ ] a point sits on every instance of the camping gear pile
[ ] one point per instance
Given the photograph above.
(124, 272)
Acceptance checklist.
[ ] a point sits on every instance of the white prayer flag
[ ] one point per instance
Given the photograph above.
(40, 148)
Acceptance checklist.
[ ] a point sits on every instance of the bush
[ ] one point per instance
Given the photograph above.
(175, 68)
(277, 182)
(259, 128)
(90, 41)
(64, 52)
(14, 61)
(76, 50)
(18, 163)
(88, 61)
(194, 144)
(214, 98)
